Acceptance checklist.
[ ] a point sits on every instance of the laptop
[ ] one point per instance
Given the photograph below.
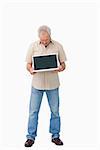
(45, 62)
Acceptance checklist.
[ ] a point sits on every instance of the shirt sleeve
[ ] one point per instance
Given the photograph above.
(29, 54)
(61, 54)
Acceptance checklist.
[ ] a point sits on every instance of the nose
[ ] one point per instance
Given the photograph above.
(44, 42)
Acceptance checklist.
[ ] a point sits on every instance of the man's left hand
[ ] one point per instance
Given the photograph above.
(61, 67)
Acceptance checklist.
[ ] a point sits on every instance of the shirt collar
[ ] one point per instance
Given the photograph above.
(51, 41)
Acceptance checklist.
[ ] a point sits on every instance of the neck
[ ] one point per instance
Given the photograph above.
(47, 43)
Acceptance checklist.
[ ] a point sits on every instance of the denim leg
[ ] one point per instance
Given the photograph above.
(34, 107)
(53, 100)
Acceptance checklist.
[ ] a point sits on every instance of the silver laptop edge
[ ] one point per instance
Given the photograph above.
(51, 69)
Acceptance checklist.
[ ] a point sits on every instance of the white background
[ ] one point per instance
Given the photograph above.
(74, 26)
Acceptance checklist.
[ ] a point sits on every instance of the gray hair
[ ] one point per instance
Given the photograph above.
(44, 28)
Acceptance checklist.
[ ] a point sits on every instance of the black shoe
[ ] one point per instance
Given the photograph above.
(57, 141)
(29, 143)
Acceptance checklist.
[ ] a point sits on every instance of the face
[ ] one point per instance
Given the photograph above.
(44, 38)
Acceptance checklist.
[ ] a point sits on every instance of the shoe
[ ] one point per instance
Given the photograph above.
(57, 141)
(29, 143)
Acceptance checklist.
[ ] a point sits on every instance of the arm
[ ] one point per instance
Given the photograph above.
(29, 68)
(62, 58)
(62, 66)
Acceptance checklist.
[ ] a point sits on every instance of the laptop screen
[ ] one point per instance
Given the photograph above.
(45, 62)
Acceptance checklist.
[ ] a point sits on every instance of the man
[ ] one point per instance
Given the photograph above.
(44, 82)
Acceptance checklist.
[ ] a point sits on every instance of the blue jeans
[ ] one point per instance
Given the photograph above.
(34, 107)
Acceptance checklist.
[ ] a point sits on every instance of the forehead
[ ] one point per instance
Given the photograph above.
(44, 33)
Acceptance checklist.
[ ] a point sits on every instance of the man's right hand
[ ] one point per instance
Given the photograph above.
(31, 70)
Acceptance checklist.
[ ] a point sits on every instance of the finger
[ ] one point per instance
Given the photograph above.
(56, 70)
(32, 73)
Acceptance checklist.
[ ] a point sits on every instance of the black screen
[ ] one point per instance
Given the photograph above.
(45, 62)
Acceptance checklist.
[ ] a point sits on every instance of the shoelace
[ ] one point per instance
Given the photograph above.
(29, 140)
(58, 140)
